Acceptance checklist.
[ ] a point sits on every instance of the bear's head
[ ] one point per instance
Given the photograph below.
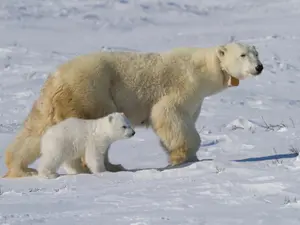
(239, 60)
(119, 127)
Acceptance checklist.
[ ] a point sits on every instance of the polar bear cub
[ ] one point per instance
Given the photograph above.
(66, 142)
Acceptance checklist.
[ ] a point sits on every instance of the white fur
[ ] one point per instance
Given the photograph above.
(66, 142)
(242, 62)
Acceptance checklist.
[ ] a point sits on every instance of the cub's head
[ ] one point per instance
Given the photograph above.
(239, 60)
(119, 126)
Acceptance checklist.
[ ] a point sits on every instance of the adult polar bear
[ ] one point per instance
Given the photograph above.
(164, 90)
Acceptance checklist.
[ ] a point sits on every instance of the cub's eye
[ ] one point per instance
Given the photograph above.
(124, 127)
(243, 55)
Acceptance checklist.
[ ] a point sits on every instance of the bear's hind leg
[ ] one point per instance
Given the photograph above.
(176, 131)
(23, 151)
(18, 173)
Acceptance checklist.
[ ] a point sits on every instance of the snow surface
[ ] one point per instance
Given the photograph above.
(249, 171)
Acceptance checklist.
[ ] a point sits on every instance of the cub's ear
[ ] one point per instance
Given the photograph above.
(110, 118)
(255, 50)
(253, 47)
(221, 51)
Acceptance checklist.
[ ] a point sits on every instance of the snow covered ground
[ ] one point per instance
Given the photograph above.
(249, 172)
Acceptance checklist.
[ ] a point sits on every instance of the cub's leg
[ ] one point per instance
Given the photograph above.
(48, 166)
(103, 107)
(74, 166)
(53, 155)
(95, 159)
(176, 130)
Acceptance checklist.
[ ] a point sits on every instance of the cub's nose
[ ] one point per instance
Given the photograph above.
(259, 68)
(133, 133)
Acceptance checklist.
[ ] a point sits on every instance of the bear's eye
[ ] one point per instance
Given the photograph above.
(243, 55)
(124, 127)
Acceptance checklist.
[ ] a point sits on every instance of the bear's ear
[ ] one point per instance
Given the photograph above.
(110, 118)
(221, 51)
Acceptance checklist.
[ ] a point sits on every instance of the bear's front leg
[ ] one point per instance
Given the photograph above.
(95, 159)
(176, 130)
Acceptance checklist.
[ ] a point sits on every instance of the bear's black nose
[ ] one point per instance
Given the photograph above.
(259, 68)
(133, 133)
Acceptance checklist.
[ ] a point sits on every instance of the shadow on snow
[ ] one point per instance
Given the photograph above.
(269, 157)
(252, 159)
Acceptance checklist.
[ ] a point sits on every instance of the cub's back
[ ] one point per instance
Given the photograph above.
(68, 129)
